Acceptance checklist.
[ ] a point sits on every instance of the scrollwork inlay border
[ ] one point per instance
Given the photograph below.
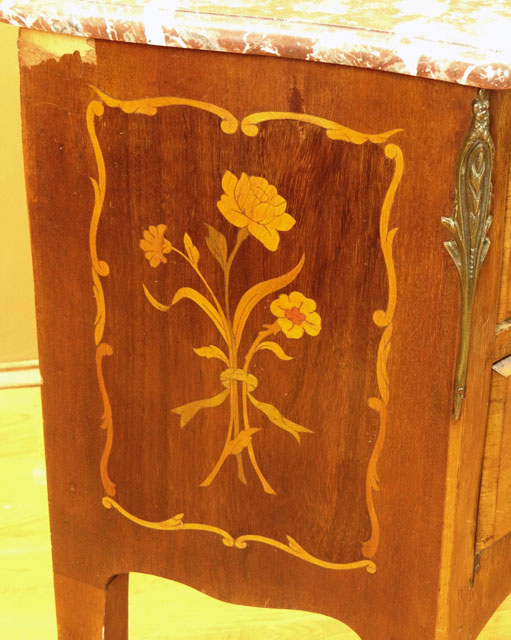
(382, 318)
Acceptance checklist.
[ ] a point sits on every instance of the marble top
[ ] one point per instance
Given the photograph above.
(462, 41)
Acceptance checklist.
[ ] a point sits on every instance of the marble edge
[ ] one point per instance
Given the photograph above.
(333, 44)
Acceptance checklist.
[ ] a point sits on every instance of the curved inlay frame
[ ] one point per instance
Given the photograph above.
(382, 318)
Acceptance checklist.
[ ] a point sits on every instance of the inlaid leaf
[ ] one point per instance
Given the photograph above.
(241, 441)
(204, 304)
(256, 293)
(275, 348)
(294, 545)
(188, 411)
(154, 302)
(191, 250)
(217, 245)
(212, 352)
(274, 415)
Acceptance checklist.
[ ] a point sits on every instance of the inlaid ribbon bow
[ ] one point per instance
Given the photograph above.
(231, 376)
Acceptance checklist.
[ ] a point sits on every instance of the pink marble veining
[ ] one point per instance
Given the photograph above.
(463, 41)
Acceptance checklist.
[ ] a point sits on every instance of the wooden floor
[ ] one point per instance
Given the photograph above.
(159, 609)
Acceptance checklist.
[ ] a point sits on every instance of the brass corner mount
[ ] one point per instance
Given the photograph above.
(469, 224)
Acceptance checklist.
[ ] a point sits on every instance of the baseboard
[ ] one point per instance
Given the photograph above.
(20, 374)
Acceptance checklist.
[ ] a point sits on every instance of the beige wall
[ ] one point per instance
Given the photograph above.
(17, 314)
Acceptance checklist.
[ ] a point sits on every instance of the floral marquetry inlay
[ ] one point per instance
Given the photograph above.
(252, 203)
(259, 213)
(155, 245)
(254, 206)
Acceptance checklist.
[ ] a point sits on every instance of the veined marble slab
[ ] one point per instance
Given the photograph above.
(462, 41)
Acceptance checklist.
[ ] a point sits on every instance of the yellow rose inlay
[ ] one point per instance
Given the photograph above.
(296, 314)
(251, 202)
(154, 244)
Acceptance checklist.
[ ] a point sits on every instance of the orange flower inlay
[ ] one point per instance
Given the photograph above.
(154, 244)
(296, 314)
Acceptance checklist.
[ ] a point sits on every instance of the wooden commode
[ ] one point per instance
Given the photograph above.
(272, 264)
